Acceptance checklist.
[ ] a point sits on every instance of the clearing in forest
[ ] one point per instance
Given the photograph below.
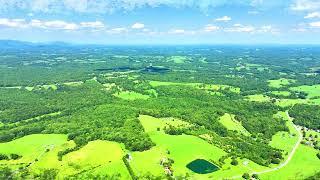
(278, 83)
(130, 95)
(258, 98)
(281, 93)
(178, 59)
(312, 91)
(183, 149)
(228, 120)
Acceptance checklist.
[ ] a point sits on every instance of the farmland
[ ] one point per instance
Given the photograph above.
(96, 112)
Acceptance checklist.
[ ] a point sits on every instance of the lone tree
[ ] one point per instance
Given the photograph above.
(246, 176)
(255, 176)
(234, 162)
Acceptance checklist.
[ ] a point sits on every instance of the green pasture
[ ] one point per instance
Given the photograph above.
(304, 163)
(312, 91)
(258, 98)
(230, 123)
(278, 83)
(130, 95)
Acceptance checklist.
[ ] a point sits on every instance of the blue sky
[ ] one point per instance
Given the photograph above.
(162, 21)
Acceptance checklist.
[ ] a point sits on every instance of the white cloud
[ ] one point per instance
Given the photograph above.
(312, 15)
(241, 28)
(177, 31)
(13, 23)
(305, 5)
(224, 19)
(94, 25)
(118, 30)
(107, 6)
(211, 28)
(315, 24)
(54, 25)
(137, 26)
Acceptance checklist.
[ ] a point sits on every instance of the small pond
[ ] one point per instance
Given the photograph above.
(202, 166)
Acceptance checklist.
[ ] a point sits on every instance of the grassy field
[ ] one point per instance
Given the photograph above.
(231, 124)
(217, 87)
(304, 163)
(178, 59)
(290, 102)
(278, 83)
(162, 83)
(281, 93)
(258, 98)
(75, 83)
(313, 91)
(285, 140)
(183, 148)
(30, 148)
(130, 95)
(97, 157)
(213, 87)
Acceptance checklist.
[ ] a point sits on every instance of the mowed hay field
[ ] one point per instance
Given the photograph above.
(313, 91)
(130, 95)
(31, 147)
(97, 157)
(278, 83)
(303, 164)
(230, 123)
(182, 148)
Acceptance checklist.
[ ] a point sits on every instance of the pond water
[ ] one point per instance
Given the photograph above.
(202, 166)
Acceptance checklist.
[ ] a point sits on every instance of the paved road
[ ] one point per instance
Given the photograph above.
(288, 159)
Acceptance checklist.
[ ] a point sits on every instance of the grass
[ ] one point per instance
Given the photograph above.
(183, 149)
(150, 124)
(304, 163)
(278, 83)
(178, 59)
(162, 83)
(217, 87)
(130, 95)
(285, 140)
(313, 91)
(231, 124)
(104, 156)
(31, 146)
(281, 93)
(258, 98)
(214, 87)
(290, 102)
(76, 83)
(97, 157)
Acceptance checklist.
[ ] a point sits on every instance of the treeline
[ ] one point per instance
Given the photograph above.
(306, 115)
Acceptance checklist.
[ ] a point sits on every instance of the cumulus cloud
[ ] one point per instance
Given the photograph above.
(118, 30)
(305, 5)
(211, 28)
(95, 24)
(224, 18)
(13, 23)
(50, 25)
(312, 15)
(177, 31)
(137, 26)
(240, 28)
(108, 6)
(315, 24)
